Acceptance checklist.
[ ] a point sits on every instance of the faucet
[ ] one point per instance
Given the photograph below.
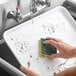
(43, 2)
(33, 6)
(35, 3)
(15, 15)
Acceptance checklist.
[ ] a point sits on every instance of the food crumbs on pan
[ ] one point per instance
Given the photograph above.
(20, 51)
(54, 73)
(29, 64)
(48, 68)
(37, 59)
(44, 26)
(29, 48)
(59, 70)
(63, 63)
(11, 38)
(74, 62)
(21, 47)
(30, 56)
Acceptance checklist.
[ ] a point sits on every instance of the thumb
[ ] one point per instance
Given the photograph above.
(28, 72)
(55, 55)
(24, 69)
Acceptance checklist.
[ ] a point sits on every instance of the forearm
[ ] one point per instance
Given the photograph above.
(74, 52)
(69, 72)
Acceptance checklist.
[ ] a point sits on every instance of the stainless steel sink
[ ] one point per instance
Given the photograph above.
(7, 55)
(5, 52)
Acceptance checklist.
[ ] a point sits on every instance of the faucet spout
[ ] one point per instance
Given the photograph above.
(16, 15)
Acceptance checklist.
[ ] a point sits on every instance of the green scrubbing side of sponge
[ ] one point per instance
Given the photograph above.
(45, 49)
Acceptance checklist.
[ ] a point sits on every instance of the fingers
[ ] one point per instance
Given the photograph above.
(51, 42)
(24, 69)
(55, 42)
(28, 72)
(55, 56)
(51, 38)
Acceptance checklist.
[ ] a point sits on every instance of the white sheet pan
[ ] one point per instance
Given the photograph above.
(23, 40)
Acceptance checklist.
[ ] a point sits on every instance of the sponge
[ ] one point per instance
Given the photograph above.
(46, 49)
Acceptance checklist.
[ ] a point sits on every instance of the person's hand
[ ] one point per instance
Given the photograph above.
(65, 50)
(28, 72)
(68, 72)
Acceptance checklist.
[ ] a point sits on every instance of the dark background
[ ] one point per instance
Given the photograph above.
(6, 54)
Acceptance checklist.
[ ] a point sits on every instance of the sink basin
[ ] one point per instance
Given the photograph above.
(7, 55)
(4, 73)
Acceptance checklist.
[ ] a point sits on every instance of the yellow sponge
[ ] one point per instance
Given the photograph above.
(45, 49)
